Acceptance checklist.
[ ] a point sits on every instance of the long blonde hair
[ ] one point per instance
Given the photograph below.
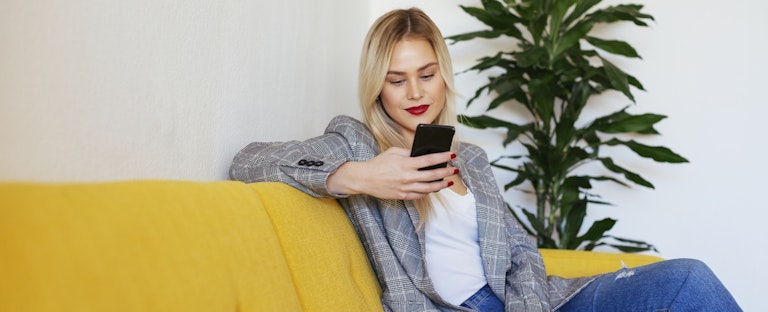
(384, 34)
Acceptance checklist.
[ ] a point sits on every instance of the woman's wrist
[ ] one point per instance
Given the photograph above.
(343, 180)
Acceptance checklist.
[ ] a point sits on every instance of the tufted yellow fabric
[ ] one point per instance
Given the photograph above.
(572, 263)
(195, 246)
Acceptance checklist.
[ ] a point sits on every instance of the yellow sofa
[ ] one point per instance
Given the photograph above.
(195, 246)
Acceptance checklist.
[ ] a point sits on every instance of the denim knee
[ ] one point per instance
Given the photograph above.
(701, 289)
(671, 285)
(697, 270)
(693, 266)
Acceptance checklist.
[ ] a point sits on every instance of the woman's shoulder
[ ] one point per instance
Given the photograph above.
(355, 132)
(343, 124)
(344, 120)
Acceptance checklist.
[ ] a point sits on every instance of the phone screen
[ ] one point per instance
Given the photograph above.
(432, 139)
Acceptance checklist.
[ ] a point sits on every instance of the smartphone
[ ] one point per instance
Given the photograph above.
(432, 139)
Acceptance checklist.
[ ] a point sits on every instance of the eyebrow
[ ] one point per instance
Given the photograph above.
(392, 72)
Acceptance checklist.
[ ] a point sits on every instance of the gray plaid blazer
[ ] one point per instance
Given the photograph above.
(387, 228)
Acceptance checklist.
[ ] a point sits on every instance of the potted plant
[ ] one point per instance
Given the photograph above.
(552, 68)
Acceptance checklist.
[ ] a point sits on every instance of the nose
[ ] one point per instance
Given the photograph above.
(415, 91)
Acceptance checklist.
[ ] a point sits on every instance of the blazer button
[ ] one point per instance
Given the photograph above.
(310, 163)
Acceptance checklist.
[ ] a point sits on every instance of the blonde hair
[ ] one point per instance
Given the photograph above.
(384, 34)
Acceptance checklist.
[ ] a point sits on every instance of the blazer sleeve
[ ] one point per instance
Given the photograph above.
(304, 165)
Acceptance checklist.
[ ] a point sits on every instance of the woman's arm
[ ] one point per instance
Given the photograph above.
(391, 175)
(341, 162)
(301, 164)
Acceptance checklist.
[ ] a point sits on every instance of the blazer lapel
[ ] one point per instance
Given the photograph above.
(490, 216)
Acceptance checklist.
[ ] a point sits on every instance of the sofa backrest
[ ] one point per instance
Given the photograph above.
(178, 246)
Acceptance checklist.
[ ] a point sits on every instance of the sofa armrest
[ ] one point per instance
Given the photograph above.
(576, 263)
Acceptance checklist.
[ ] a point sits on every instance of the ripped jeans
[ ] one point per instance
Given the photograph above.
(671, 285)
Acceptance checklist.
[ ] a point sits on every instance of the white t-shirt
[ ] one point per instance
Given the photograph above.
(452, 246)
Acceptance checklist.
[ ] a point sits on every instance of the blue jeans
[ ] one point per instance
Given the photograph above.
(672, 285)
(484, 300)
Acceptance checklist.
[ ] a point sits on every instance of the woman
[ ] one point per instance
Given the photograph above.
(441, 239)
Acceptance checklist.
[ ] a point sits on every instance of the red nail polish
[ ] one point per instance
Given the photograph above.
(453, 156)
(450, 183)
(455, 171)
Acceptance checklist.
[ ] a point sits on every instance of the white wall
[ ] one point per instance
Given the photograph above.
(104, 90)
(110, 90)
(702, 67)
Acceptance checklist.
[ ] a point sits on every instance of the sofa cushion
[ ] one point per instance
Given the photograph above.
(140, 246)
(577, 263)
(329, 266)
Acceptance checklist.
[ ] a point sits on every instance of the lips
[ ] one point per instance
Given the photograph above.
(418, 110)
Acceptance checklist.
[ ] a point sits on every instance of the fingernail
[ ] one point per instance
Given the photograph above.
(450, 183)
(455, 171)
(453, 156)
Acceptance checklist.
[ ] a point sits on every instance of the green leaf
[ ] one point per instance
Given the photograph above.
(598, 229)
(617, 78)
(557, 14)
(581, 8)
(487, 34)
(623, 122)
(540, 89)
(489, 62)
(494, 7)
(536, 21)
(570, 192)
(477, 94)
(508, 87)
(497, 17)
(572, 158)
(579, 181)
(591, 246)
(630, 249)
(485, 121)
(517, 181)
(634, 82)
(657, 153)
(605, 178)
(531, 57)
(571, 37)
(614, 46)
(538, 226)
(565, 128)
(639, 246)
(508, 95)
(636, 123)
(574, 220)
(617, 13)
(634, 177)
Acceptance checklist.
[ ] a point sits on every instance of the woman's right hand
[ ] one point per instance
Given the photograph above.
(393, 174)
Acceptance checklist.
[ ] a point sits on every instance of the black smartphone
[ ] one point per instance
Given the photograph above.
(432, 139)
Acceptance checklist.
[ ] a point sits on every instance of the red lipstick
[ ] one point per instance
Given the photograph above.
(418, 110)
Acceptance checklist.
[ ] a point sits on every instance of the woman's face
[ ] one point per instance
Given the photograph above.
(414, 90)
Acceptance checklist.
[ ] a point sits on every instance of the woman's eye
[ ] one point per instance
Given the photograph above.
(427, 77)
(397, 82)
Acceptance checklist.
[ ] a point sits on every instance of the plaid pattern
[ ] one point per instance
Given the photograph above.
(387, 228)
